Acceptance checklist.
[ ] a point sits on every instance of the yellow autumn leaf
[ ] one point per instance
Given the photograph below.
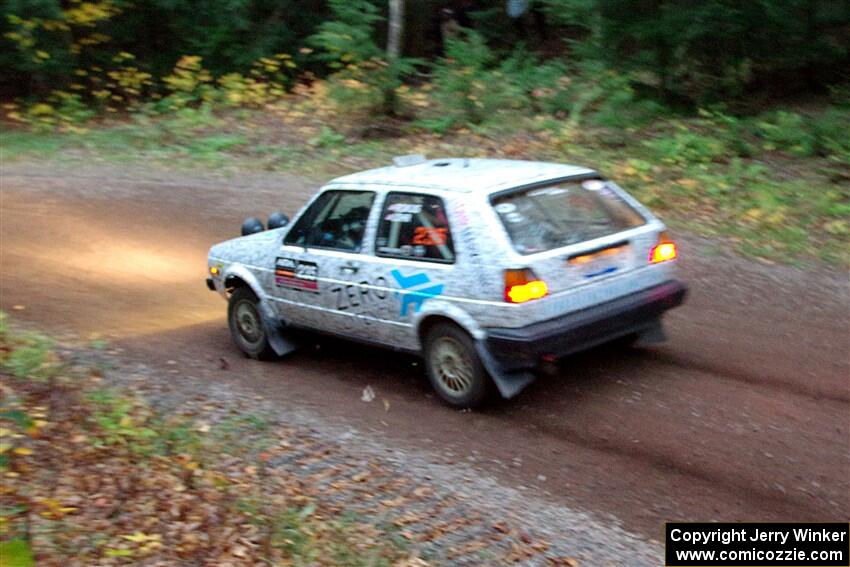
(22, 451)
(837, 227)
(138, 537)
(39, 109)
(55, 509)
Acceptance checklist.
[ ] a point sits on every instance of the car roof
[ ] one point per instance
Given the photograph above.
(464, 175)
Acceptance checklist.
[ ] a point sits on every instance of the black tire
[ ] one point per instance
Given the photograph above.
(454, 368)
(246, 324)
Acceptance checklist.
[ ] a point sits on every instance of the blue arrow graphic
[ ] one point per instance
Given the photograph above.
(415, 297)
(407, 282)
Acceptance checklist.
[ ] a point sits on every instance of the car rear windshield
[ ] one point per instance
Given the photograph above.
(544, 218)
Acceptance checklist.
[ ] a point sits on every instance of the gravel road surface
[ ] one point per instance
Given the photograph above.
(744, 414)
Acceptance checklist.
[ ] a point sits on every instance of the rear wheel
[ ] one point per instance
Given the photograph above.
(246, 324)
(454, 368)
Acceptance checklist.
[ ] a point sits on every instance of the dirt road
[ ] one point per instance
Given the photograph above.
(743, 415)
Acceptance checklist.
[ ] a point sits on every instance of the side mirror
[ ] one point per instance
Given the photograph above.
(252, 225)
(278, 220)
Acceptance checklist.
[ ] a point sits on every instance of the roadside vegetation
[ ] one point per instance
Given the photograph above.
(95, 474)
(103, 462)
(700, 140)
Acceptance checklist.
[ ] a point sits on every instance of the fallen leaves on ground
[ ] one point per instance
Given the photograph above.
(95, 475)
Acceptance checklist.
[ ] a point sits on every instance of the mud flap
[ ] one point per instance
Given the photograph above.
(281, 343)
(653, 334)
(509, 383)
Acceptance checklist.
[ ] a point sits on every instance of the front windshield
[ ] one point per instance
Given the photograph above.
(544, 218)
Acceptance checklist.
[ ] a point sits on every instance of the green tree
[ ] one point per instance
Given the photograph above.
(45, 42)
(348, 46)
(714, 50)
(468, 84)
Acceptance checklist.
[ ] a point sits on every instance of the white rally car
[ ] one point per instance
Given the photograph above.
(484, 267)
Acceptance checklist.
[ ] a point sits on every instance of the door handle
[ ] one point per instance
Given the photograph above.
(349, 268)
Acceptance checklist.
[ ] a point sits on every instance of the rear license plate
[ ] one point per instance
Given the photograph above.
(601, 263)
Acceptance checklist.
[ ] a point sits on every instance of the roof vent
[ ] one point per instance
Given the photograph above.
(407, 161)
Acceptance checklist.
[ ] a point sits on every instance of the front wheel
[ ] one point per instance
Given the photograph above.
(454, 368)
(246, 324)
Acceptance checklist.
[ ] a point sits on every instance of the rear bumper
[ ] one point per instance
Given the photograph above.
(524, 347)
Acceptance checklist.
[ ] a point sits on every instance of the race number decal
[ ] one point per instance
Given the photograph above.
(428, 236)
(296, 274)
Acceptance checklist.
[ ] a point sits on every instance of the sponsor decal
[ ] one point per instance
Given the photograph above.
(429, 236)
(353, 296)
(602, 272)
(548, 191)
(593, 184)
(505, 208)
(410, 208)
(398, 217)
(402, 212)
(296, 274)
(418, 289)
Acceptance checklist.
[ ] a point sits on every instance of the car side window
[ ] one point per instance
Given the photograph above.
(336, 220)
(415, 227)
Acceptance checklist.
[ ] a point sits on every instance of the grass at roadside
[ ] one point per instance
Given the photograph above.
(766, 185)
(96, 475)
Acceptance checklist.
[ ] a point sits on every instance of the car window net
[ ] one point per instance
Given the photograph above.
(415, 227)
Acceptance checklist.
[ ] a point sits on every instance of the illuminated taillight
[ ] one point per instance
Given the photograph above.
(663, 251)
(523, 285)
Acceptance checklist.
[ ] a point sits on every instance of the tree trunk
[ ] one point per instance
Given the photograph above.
(396, 29)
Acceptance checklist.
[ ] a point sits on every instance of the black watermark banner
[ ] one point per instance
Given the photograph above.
(757, 545)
